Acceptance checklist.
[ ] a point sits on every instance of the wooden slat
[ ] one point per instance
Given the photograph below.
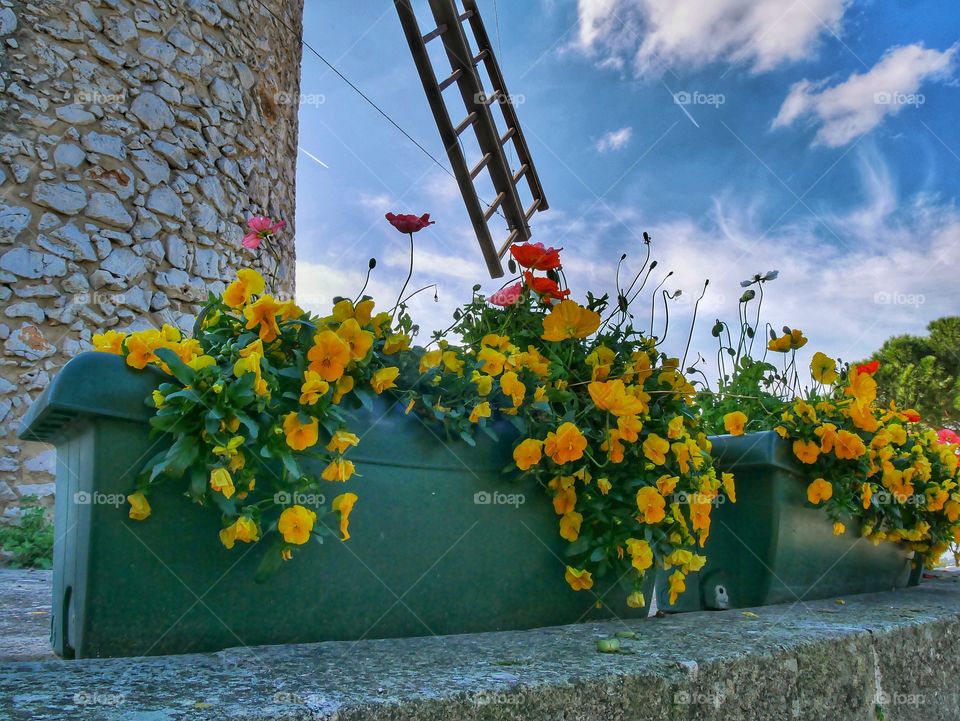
(523, 169)
(532, 209)
(450, 80)
(478, 168)
(434, 34)
(488, 213)
(465, 123)
(507, 135)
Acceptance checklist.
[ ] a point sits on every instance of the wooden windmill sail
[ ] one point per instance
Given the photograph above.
(479, 120)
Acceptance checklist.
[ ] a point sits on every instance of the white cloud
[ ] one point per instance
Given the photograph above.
(651, 34)
(858, 104)
(894, 272)
(614, 140)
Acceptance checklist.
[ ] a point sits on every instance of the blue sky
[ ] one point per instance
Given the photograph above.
(818, 137)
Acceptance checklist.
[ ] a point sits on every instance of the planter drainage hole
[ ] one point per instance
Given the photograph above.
(721, 600)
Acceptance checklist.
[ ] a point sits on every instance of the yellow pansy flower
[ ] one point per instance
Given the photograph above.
(578, 579)
(655, 449)
(806, 451)
(139, 506)
(109, 342)
(651, 505)
(338, 470)
(735, 422)
(248, 284)
(570, 526)
(329, 355)
(384, 378)
(528, 453)
(359, 340)
(481, 410)
(300, 435)
(244, 529)
(313, 388)
(296, 523)
(343, 504)
(819, 490)
(342, 440)
(567, 444)
(677, 585)
(396, 343)
(222, 481)
(344, 385)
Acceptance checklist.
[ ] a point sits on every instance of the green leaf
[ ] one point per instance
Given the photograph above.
(577, 547)
(290, 464)
(180, 370)
(198, 481)
(365, 396)
(181, 455)
(270, 563)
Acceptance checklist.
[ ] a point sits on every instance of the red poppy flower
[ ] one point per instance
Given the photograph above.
(534, 255)
(406, 223)
(545, 286)
(868, 368)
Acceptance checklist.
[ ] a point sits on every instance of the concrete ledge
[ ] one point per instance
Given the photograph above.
(883, 656)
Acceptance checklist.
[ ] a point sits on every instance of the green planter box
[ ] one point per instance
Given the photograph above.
(442, 542)
(771, 547)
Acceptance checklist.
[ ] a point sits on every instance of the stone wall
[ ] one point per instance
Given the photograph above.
(136, 136)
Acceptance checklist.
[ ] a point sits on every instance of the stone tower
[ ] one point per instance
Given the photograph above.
(136, 137)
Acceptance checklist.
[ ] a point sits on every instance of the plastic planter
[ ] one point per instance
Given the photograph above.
(441, 542)
(772, 547)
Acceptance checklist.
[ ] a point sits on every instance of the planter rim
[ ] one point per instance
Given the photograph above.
(101, 385)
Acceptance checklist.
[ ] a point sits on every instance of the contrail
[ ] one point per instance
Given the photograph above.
(313, 157)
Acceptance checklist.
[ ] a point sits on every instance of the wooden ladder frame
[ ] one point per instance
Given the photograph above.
(463, 65)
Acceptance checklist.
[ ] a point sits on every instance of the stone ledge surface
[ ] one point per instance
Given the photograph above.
(886, 656)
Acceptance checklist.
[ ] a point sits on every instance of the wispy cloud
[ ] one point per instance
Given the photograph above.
(857, 105)
(614, 140)
(652, 34)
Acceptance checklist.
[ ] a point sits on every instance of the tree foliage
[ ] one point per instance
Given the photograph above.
(923, 372)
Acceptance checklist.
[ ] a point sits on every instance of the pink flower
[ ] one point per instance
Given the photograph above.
(945, 436)
(507, 296)
(409, 223)
(261, 227)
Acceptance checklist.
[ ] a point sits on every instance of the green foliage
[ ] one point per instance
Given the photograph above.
(31, 541)
(923, 373)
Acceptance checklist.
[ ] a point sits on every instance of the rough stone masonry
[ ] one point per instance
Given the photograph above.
(136, 137)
